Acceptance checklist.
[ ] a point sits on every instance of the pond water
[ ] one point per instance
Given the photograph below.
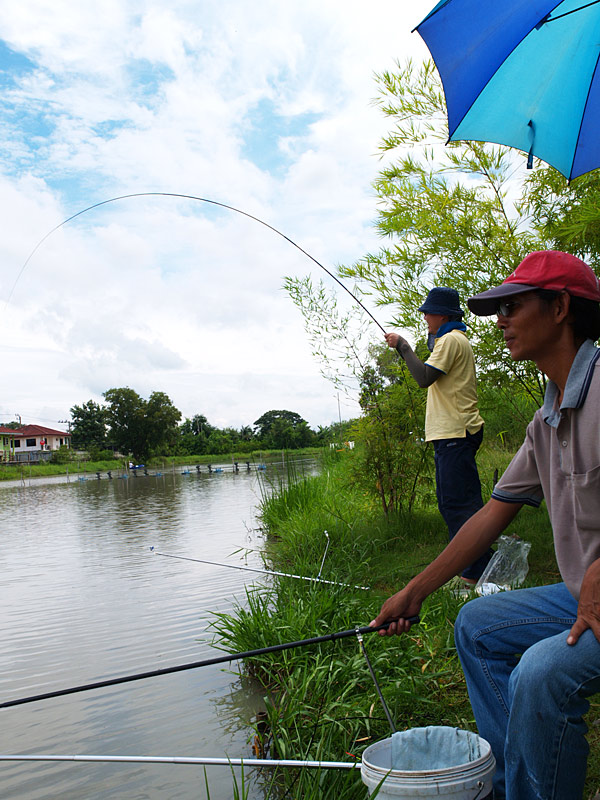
(83, 598)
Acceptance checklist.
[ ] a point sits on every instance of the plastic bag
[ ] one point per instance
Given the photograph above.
(507, 568)
(433, 747)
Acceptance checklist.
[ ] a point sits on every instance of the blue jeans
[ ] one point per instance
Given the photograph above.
(529, 689)
(458, 488)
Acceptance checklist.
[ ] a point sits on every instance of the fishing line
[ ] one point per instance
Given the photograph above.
(256, 569)
(219, 205)
(196, 664)
(201, 200)
(361, 644)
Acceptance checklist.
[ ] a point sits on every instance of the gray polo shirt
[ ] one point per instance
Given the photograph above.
(559, 461)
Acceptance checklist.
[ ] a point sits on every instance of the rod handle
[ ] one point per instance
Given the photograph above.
(368, 629)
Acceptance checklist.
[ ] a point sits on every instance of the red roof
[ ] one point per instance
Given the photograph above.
(39, 430)
(8, 432)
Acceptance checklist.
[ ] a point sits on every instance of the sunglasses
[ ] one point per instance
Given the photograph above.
(507, 307)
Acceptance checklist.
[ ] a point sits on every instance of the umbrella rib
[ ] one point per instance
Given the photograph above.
(566, 14)
(431, 13)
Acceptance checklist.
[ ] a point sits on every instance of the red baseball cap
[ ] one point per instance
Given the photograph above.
(544, 269)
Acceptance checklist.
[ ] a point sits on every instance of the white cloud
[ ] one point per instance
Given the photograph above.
(167, 294)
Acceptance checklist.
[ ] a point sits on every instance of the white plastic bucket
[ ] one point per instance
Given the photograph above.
(467, 781)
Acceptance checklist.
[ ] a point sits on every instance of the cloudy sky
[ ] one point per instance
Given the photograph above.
(263, 106)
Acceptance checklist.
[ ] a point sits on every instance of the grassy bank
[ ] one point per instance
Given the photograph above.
(320, 700)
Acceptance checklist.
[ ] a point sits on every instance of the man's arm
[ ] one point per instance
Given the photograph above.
(423, 374)
(472, 541)
(588, 608)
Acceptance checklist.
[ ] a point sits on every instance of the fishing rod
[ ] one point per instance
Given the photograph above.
(359, 636)
(199, 761)
(257, 569)
(200, 200)
(219, 205)
(262, 571)
(228, 657)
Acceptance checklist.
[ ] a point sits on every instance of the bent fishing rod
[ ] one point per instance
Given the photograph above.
(215, 203)
(200, 200)
(228, 657)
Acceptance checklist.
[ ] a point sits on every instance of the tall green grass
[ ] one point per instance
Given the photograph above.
(320, 700)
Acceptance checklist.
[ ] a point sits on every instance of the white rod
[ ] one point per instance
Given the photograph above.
(255, 569)
(226, 762)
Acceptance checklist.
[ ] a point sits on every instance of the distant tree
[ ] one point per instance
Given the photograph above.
(125, 416)
(283, 429)
(161, 419)
(263, 425)
(219, 443)
(336, 433)
(246, 433)
(138, 426)
(193, 435)
(88, 425)
(198, 425)
(304, 436)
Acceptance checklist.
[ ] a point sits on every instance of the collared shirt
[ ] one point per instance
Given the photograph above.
(559, 461)
(452, 399)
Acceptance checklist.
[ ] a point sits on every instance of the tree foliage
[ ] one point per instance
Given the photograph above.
(88, 425)
(145, 428)
(337, 336)
(390, 456)
(451, 215)
(139, 426)
(461, 215)
(568, 212)
(283, 429)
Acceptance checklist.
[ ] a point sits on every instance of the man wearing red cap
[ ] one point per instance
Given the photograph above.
(452, 420)
(531, 657)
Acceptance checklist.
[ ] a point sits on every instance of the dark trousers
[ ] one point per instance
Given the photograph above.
(458, 487)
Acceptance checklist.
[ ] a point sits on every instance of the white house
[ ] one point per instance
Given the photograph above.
(37, 438)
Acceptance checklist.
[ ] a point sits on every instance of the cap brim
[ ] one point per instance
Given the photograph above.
(486, 303)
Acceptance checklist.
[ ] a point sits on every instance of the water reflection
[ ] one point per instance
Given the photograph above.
(84, 599)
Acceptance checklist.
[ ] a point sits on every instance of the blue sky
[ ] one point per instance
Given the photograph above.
(265, 107)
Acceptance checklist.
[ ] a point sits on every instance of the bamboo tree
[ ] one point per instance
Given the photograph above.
(451, 215)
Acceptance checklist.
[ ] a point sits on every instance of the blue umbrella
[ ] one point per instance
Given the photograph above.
(522, 73)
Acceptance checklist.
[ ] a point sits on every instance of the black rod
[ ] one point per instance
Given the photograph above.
(196, 664)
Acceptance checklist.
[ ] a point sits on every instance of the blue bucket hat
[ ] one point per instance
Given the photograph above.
(442, 300)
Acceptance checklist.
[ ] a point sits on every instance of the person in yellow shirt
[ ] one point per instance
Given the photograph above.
(452, 419)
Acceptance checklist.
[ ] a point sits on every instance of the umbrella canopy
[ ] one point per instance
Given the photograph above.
(522, 73)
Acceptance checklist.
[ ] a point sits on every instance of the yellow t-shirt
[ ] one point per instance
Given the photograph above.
(452, 399)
